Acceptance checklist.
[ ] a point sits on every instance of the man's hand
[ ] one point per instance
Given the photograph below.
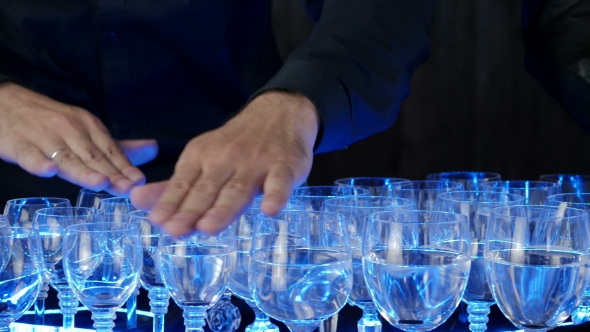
(35, 128)
(267, 148)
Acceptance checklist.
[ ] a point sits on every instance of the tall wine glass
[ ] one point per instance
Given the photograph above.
(356, 211)
(20, 212)
(378, 186)
(91, 198)
(102, 263)
(534, 192)
(536, 261)
(51, 224)
(238, 282)
(196, 271)
(416, 265)
(470, 180)
(117, 209)
(314, 196)
(570, 183)
(579, 201)
(21, 270)
(150, 277)
(300, 267)
(476, 206)
(424, 192)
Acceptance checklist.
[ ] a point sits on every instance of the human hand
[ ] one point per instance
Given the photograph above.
(35, 128)
(266, 148)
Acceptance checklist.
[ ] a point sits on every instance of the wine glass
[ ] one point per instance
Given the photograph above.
(356, 211)
(150, 272)
(196, 271)
(579, 201)
(91, 198)
(116, 209)
(314, 196)
(470, 180)
(20, 212)
(476, 206)
(570, 183)
(378, 186)
(416, 265)
(536, 260)
(21, 271)
(424, 192)
(238, 282)
(51, 224)
(300, 267)
(102, 263)
(534, 192)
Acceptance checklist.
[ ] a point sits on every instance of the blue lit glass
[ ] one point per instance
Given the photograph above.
(378, 186)
(570, 183)
(91, 198)
(424, 192)
(314, 196)
(470, 180)
(534, 192)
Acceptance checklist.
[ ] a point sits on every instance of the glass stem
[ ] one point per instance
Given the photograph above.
(159, 306)
(478, 316)
(261, 321)
(370, 321)
(582, 312)
(68, 303)
(194, 317)
(132, 310)
(40, 304)
(104, 319)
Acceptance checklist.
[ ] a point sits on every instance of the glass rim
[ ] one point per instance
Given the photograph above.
(56, 199)
(29, 230)
(79, 227)
(442, 196)
(549, 184)
(551, 198)
(452, 184)
(44, 211)
(336, 187)
(262, 216)
(487, 175)
(565, 175)
(407, 201)
(373, 219)
(344, 181)
(581, 212)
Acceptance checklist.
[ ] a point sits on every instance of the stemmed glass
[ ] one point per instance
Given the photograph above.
(238, 282)
(356, 211)
(150, 273)
(416, 265)
(196, 271)
(51, 224)
(378, 186)
(102, 263)
(20, 212)
(300, 267)
(21, 270)
(534, 192)
(570, 183)
(536, 260)
(91, 198)
(424, 192)
(476, 206)
(470, 180)
(579, 201)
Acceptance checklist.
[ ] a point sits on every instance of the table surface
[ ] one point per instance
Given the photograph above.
(347, 319)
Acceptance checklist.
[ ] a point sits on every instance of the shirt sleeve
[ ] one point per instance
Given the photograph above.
(356, 65)
(556, 36)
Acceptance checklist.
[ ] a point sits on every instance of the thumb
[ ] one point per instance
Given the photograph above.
(139, 151)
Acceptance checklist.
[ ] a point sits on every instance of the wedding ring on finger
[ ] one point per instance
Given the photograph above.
(55, 153)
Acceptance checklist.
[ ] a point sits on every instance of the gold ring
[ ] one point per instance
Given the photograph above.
(55, 153)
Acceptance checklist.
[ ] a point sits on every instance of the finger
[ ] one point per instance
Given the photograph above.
(145, 197)
(277, 188)
(233, 198)
(198, 199)
(139, 152)
(72, 169)
(33, 160)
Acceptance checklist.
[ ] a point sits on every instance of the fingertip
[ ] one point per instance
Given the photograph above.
(272, 205)
(47, 169)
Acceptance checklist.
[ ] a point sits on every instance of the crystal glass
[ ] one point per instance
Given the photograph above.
(51, 224)
(21, 270)
(238, 282)
(4, 221)
(116, 209)
(314, 196)
(356, 210)
(300, 267)
(102, 263)
(91, 198)
(476, 206)
(536, 260)
(570, 183)
(223, 316)
(534, 192)
(579, 201)
(20, 212)
(150, 276)
(470, 180)
(378, 186)
(424, 192)
(196, 271)
(416, 265)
